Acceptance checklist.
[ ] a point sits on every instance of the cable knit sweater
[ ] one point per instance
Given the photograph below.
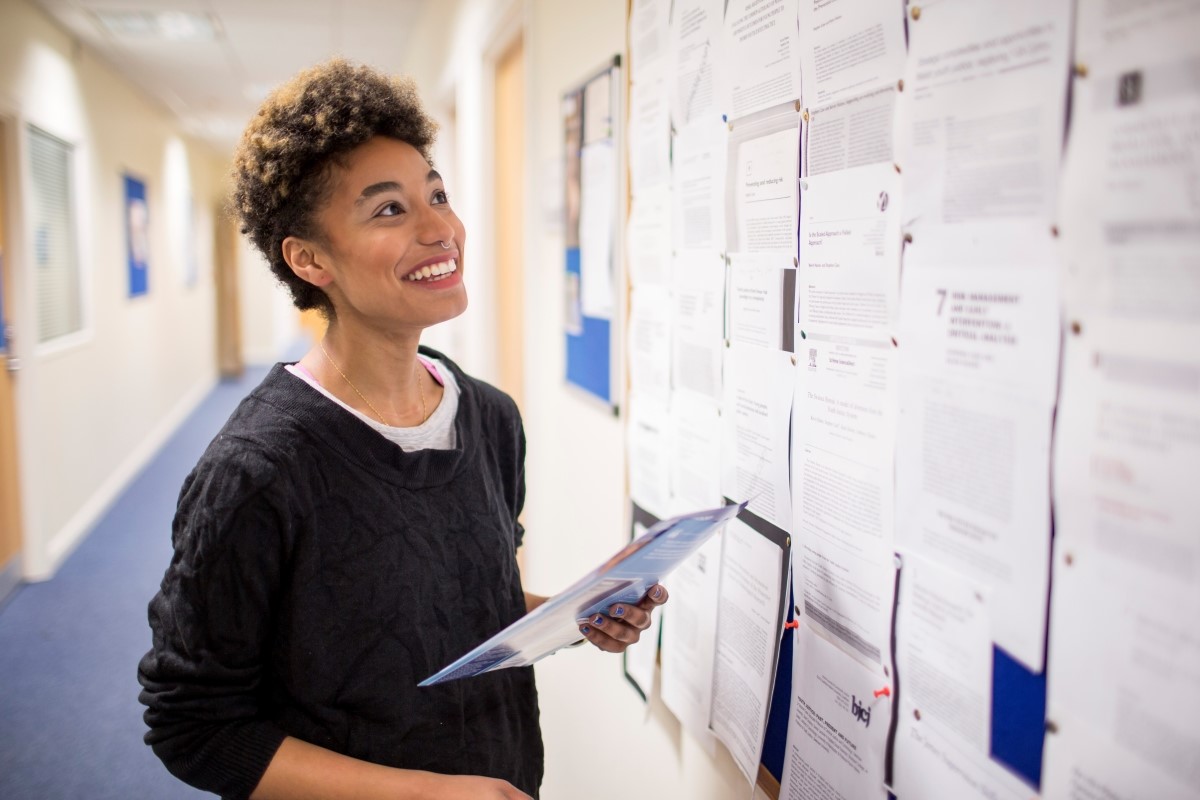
(319, 573)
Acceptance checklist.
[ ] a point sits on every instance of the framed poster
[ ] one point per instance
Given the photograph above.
(594, 203)
(137, 235)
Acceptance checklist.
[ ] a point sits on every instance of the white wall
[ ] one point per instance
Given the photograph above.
(270, 322)
(93, 409)
(602, 741)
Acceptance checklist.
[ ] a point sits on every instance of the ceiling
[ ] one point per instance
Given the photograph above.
(213, 78)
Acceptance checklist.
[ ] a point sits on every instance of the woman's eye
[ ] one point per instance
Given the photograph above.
(390, 210)
(440, 197)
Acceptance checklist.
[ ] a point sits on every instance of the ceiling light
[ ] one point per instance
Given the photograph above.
(172, 26)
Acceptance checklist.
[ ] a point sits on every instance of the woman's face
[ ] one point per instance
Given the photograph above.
(392, 246)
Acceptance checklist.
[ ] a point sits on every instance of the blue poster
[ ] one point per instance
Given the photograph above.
(137, 231)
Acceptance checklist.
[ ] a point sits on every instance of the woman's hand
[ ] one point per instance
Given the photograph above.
(624, 623)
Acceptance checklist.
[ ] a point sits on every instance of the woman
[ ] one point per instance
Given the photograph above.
(353, 527)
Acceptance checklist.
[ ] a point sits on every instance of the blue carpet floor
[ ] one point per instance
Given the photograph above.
(70, 723)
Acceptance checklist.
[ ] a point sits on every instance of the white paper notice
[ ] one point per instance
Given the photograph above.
(763, 55)
(698, 183)
(759, 303)
(851, 133)
(649, 132)
(597, 209)
(972, 493)
(850, 259)
(985, 103)
(747, 642)
(649, 35)
(649, 344)
(649, 470)
(1081, 766)
(695, 451)
(648, 238)
(843, 440)
(1130, 212)
(852, 46)
(944, 651)
(689, 637)
(1125, 660)
(698, 340)
(977, 390)
(695, 56)
(1128, 448)
(756, 415)
(933, 766)
(837, 731)
(763, 179)
(1124, 653)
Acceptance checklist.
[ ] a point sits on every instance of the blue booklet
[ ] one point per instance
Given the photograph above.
(624, 578)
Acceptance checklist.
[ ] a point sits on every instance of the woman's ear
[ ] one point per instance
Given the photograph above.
(302, 256)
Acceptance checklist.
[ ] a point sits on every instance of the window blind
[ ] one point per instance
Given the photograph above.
(55, 255)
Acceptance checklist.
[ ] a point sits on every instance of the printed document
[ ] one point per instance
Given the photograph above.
(763, 55)
(750, 617)
(837, 729)
(623, 578)
(851, 47)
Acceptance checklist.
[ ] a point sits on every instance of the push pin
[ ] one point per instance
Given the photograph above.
(916, 13)
(884, 692)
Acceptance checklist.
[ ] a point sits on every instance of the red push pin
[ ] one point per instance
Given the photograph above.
(884, 692)
(791, 625)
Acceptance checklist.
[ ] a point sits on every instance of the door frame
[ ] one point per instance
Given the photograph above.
(12, 561)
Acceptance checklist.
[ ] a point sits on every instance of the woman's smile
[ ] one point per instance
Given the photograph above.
(436, 272)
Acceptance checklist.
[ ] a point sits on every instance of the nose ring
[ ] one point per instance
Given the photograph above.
(444, 245)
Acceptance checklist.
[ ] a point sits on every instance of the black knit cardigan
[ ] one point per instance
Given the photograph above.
(319, 573)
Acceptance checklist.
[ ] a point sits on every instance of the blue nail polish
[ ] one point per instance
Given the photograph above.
(584, 629)
(657, 593)
(598, 621)
(619, 611)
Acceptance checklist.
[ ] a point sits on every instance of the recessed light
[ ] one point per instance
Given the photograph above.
(172, 26)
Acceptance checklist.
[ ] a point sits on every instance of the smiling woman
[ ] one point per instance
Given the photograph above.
(353, 527)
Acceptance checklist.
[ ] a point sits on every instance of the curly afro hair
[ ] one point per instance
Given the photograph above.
(283, 164)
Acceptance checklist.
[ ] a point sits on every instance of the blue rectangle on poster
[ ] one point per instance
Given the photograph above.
(588, 342)
(1018, 716)
(137, 236)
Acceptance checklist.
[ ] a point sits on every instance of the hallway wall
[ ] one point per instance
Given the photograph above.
(92, 408)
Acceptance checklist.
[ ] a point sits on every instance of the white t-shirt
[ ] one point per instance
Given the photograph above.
(435, 433)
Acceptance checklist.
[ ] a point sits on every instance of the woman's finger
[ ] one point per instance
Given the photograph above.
(633, 615)
(656, 595)
(609, 634)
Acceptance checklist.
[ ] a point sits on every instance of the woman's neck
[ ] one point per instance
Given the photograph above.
(375, 373)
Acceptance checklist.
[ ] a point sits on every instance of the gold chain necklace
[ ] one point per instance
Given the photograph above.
(370, 405)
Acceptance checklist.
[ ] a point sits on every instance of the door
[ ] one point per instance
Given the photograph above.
(229, 326)
(10, 499)
(509, 205)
